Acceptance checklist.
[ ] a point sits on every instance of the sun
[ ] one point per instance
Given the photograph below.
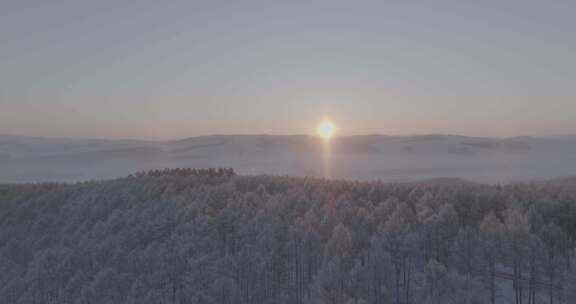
(326, 129)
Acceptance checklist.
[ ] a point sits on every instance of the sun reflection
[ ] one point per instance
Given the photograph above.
(326, 130)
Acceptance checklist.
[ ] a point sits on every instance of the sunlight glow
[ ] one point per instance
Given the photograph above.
(326, 129)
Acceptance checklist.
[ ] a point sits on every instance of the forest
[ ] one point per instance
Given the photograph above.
(189, 236)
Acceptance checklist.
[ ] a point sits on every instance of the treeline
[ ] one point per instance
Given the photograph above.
(194, 238)
(184, 172)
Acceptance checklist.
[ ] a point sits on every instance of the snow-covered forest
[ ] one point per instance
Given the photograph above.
(188, 236)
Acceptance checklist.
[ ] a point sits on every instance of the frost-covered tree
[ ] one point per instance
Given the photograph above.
(491, 237)
(187, 236)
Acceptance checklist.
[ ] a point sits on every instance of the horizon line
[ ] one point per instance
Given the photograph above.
(175, 139)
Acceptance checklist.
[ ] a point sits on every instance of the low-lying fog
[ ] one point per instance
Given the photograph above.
(491, 160)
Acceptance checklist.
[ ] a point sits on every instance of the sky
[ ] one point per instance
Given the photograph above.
(172, 69)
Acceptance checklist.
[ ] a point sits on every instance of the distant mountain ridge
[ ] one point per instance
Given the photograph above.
(24, 146)
(359, 157)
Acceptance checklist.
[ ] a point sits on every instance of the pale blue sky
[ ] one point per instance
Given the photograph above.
(170, 69)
